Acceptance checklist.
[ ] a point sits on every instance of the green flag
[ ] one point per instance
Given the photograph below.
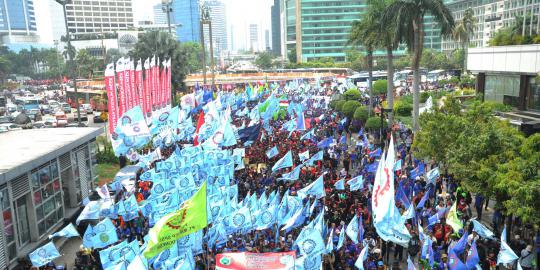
(190, 218)
(453, 220)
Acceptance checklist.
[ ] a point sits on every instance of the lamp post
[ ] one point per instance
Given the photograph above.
(205, 19)
(166, 7)
(71, 59)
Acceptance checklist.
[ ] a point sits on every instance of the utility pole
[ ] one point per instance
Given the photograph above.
(205, 19)
(166, 7)
(72, 68)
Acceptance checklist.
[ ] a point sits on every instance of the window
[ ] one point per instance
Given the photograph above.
(47, 196)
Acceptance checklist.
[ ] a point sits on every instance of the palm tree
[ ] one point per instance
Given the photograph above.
(408, 15)
(462, 33)
(364, 33)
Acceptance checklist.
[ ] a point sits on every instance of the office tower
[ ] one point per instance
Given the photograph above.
(86, 17)
(17, 22)
(253, 37)
(186, 13)
(267, 39)
(276, 27)
(219, 25)
(160, 16)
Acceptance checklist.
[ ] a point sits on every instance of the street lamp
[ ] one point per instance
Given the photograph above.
(166, 7)
(71, 59)
(205, 19)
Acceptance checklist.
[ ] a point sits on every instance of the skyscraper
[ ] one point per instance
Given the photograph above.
(17, 22)
(276, 27)
(186, 13)
(219, 25)
(160, 16)
(85, 17)
(267, 39)
(253, 37)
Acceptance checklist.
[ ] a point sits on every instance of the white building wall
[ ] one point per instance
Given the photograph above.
(508, 59)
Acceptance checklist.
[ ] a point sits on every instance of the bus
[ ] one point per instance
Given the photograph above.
(436, 75)
(28, 104)
(362, 79)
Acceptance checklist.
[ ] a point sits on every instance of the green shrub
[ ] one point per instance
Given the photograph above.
(403, 109)
(374, 123)
(424, 96)
(352, 94)
(406, 99)
(379, 87)
(333, 103)
(106, 157)
(350, 107)
(361, 114)
(339, 105)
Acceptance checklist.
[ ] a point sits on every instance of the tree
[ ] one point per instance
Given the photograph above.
(292, 56)
(193, 51)
(364, 33)
(462, 32)
(361, 114)
(352, 94)
(5, 68)
(379, 87)
(85, 64)
(408, 15)
(350, 107)
(264, 60)
(163, 46)
(112, 55)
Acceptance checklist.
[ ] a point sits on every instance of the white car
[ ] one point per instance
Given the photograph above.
(87, 107)
(11, 126)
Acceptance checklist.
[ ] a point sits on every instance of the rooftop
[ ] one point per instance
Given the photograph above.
(23, 150)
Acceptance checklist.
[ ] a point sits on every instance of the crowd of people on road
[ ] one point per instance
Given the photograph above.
(351, 155)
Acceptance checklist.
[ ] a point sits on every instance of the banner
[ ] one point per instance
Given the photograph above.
(112, 105)
(252, 261)
(163, 85)
(133, 87)
(121, 89)
(153, 79)
(139, 82)
(127, 84)
(169, 83)
(147, 89)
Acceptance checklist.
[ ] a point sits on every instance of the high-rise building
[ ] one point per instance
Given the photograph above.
(17, 22)
(276, 27)
(491, 16)
(267, 39)
(219, 25)
(253, 37)
(186, 13)
(160, 16)
(86, 17)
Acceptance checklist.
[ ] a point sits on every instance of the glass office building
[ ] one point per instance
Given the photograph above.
(17, 16)
(186, 13)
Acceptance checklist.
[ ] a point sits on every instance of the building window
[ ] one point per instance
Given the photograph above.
(47, 196)
(9, 231)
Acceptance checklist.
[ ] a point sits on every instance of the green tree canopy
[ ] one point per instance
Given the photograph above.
(350, 107)
(264, 60)
(352, 94)
(379, 87)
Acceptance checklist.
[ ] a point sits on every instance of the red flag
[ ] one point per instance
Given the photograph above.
(111, 95)
(147, 89)
(127, 84)
(122, 106)
(139, 82)
(200, 122)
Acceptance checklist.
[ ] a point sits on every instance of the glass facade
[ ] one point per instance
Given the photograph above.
(186, 13)
(533, 100)
(46, 188)
(9, 227)
(17, 15)
(502, 88)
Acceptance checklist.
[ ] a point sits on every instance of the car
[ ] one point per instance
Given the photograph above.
(87, 107)
(6, 119)
(11, 108)
(100, 118)
(11, 126)
(65, 107)
(61, 119)
(3, 129)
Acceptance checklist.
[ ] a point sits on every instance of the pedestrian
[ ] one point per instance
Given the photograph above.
(526, 258)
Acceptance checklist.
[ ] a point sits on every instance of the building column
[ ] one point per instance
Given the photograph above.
(523, 92)
(481, 84)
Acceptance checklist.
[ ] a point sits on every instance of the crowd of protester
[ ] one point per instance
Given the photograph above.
(348, 157)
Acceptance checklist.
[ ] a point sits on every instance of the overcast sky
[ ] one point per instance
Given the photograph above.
(240, 13)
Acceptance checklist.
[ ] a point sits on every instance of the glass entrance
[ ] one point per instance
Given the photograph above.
(533, 99)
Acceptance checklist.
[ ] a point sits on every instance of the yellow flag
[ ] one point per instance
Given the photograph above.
(190, 218)
(453, 220)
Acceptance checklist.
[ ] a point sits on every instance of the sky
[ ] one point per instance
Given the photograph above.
(240, 13)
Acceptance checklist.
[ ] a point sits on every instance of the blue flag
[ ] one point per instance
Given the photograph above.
(272, 152)
(119, 253)
(89, 234)
(310, 242)
(310, 135)
(482, 230)
(454, 263)
(361, 258)
(303, 156)
(315, 189)
(90, 211)
(376, 153)
(460, 245)
(472, 257)
(352, 229)
(318, 156)
(105, 234)
(292, 175)
(432, 176)
(325, 143)
(424, 199)
(68, 231)
(410, 264)
(301, 122)
(341, 239)
(330, 243)
(418, 171)
(285, 162)
(340, 185)
(44, 255)
(356, 183)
